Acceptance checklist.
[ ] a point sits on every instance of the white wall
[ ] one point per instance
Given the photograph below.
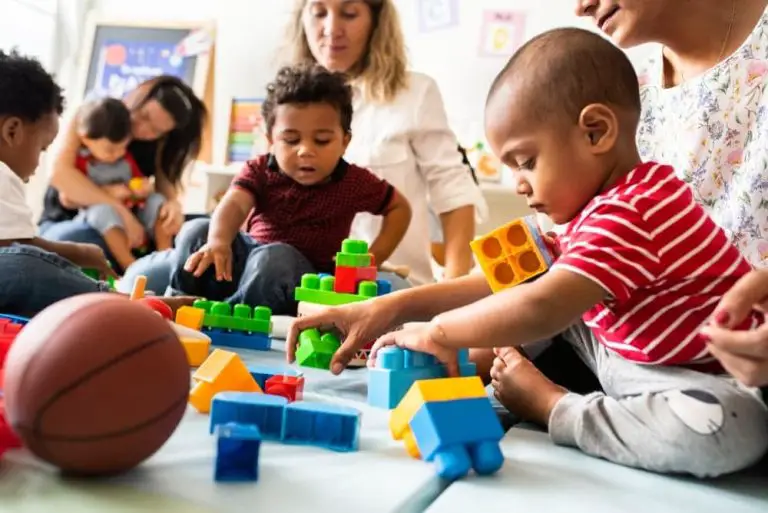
(249, 33)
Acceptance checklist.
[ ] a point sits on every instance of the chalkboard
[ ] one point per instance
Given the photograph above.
(119, 55)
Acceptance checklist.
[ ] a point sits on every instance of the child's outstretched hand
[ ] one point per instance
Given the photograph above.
(416, 337)
(213, 252)
(550, 239)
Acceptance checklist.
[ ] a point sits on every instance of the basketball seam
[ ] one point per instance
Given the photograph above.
(37, 432)
(122, 432)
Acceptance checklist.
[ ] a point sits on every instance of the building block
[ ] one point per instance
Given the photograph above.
(190, 317)
(238, 318)
(290, 387)
(398, 369)
(512, 254)
(240, 340)
(432, 390)
(383, 287)
(196, 344)
(316, 349)
(314, 289)
(264, 411)
(354, 253)
(9, 329)
(261, 373)
(158, 306)
(222, 371)
(8, 438)
(237, 453)
(326, 425)
(444, 436)
(348, 278)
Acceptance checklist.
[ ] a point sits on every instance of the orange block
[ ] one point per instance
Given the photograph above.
(512, 254)
(222, 371)
(190, 317)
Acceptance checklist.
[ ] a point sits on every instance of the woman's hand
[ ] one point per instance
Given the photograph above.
(743, 353)
(171, 215)
(418, 337)
(119, 191)
(357, 323)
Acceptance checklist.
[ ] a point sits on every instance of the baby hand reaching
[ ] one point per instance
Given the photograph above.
(418, 337)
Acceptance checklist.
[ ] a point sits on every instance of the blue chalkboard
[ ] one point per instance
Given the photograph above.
(125, 56)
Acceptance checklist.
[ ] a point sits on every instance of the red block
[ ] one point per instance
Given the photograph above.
(348, 278)
(158, 306)
(8, 439)
(8, 332)
(290, 387)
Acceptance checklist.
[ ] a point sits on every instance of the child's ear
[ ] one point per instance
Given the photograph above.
(346, 139)
(600, 127)
(10, 131)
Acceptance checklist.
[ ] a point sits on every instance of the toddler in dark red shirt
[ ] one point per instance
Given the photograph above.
(296, 203)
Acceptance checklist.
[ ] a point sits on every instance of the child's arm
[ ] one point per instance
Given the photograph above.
(226, 221)
(525, 313)
(397, 217)
(88, 256)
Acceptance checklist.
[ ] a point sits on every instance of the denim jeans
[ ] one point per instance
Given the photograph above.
(32, 279)
(157, 268)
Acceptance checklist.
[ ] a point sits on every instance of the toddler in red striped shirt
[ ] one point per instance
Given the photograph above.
(641, 271)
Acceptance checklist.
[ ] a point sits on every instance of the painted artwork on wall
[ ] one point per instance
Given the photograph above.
(503, 32)
(437, 14)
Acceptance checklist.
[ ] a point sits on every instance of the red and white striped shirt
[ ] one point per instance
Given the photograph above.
(663, 262)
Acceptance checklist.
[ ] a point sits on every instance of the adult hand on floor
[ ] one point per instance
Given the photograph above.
(357, 323)
(743, 353)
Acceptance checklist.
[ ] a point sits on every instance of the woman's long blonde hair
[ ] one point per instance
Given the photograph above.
(382, 71)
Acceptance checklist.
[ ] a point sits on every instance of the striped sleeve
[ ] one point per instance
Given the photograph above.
(614, 249)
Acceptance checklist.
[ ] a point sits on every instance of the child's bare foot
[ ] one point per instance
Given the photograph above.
(522, 388)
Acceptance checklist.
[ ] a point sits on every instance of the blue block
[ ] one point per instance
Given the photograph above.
(237, 454)
(15, 318)
(383, 287)
(326, 425)
(239, 340)
(261, 373)
(262, 410)
(397, 369)
(444, 435)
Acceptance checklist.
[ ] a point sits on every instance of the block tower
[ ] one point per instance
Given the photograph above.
(355, 279)
(512, 253)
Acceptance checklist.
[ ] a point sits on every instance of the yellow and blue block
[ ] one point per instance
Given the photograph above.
(450, 422)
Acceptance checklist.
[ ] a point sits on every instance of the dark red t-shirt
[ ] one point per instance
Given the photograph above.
(313, 219)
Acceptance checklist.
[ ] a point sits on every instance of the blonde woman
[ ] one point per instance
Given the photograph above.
(399, 129)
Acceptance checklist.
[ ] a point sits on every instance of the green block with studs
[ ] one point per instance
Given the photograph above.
(319, 291)
(315, 349)
(238, 318)
(354, 253)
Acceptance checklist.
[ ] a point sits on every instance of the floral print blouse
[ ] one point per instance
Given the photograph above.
(714, 130)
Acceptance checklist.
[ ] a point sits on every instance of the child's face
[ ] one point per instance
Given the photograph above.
(559, 169)
(22, 142)
(308, 141)
(105, 150)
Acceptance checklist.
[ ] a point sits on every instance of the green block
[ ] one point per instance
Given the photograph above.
(240, 318)
(319, 291)
(94, 275)
(368, 289)
(354, 246)
(316, 350)
(353, 260)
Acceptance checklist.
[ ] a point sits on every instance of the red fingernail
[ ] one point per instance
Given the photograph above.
(722, 317)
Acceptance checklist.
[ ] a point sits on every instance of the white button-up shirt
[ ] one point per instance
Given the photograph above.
(408, 143)
(15, 214)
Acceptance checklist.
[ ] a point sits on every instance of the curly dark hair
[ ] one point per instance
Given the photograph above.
(27, 91)
(107, 118)
(308, 83)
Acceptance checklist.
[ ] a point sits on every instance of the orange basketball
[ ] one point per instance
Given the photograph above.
(95, 384)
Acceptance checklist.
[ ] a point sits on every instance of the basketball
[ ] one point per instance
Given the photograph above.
(95, 384)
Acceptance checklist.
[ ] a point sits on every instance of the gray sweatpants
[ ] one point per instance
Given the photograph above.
(663, 419)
